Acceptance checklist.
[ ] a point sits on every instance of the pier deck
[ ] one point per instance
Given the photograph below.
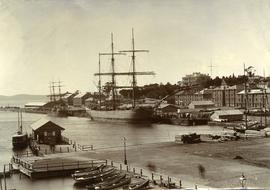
(49, 166)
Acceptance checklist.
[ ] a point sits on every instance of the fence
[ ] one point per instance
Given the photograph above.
(157, 178)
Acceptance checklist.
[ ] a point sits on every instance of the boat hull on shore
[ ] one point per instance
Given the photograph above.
(137, 115)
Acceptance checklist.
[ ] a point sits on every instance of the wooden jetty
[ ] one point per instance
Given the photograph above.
(37, 167)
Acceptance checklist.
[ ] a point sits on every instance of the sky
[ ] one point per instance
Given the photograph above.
(51, 40)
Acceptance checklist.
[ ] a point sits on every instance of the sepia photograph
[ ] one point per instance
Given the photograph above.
(134, 95)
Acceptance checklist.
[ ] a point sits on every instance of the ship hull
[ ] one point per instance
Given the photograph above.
(138, 115)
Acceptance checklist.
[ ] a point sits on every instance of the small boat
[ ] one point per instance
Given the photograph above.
(122, 182)
(140, 185)
(88, 171)
(108, 181)
(20, 139)
(94, 178)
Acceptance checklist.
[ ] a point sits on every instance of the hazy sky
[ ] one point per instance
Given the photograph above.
(44, 40)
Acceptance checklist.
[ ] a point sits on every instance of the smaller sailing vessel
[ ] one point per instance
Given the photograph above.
(20, 139)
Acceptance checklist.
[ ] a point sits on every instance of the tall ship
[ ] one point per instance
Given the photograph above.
(131, 111)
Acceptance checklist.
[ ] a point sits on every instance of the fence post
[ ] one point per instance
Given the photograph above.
(92, 148)
(106, 162)
(180, 184)
(45, 150)
(27, 153)
(120, 167)
(196, 187)
(67, 149)
(141, 172)
(134, 170)
(127, 168)
(160, 179)
(111, 163)
(152, 177)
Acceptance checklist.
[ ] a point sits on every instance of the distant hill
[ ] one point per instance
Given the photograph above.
(21, 99)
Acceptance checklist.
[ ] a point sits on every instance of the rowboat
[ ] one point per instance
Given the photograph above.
(94, 178)
(108, 181)
(140, 185)
(88, 171)
(122, 182)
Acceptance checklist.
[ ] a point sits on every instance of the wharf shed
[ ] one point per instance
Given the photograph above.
(167, 109)
(34, 105)
(228, 115)
(47, 132)
(203, 105)
(79, 99)
(68, 97)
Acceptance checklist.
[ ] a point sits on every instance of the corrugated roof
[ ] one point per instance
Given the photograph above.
(228, 112)
(255, 91)
(161, 106)
(203, 102)
(42, 122)
(80, 95)
(35, 104)
(67, 95)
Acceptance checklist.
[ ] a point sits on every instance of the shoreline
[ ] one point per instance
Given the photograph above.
(222, 169)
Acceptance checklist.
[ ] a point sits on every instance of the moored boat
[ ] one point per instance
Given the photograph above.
(122, 182)
(139, 185)
(94, 177)
(88, 171)
(108, 181)
(113, 110)
(20, 139)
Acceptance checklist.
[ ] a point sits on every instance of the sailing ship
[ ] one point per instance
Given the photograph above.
(20, 139)
(137, 113)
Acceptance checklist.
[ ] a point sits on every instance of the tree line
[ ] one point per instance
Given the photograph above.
(161, 90)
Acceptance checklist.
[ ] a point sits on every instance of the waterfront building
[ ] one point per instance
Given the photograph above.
(167, 109)
(68, 97)
(225, 96)
(34, 105)
(47, 132)
(256, 98)
(201, 105)
(185, 97)
(79, 99)
(227, 115)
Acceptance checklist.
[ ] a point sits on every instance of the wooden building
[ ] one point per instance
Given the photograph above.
(167, 109)
(201, 105)
(47, 132)
(79, 99)
(227, 115)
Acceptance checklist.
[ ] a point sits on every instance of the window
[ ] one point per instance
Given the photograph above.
(53, 133)
(45, 133)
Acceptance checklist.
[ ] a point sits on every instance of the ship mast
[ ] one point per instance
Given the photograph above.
(246, 96)
(99, 82)
(134, 82)
(133, 73)
(265, 99)
(112, 54)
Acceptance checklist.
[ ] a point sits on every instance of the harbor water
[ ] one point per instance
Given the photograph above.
(85, 132)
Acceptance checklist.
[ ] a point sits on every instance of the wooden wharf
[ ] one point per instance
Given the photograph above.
(36, 167)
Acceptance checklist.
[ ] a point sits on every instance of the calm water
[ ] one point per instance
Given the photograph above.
(85, 132)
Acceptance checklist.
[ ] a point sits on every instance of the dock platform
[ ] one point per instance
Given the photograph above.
(45, 167)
